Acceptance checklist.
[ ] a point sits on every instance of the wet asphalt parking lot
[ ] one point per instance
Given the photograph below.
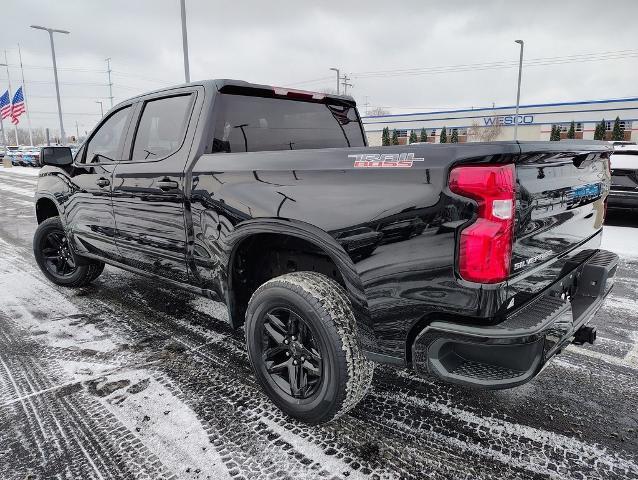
(133, 379)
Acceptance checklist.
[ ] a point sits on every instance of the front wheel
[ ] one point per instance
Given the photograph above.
(302, 343)
(56, 260)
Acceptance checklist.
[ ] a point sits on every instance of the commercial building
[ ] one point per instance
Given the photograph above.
(497, 123)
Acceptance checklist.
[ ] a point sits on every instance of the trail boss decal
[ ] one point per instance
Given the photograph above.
(384, 160)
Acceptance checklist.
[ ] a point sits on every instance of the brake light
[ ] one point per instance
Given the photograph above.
(299, 94)
(485, 246)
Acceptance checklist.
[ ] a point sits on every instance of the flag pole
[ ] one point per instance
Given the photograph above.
(24, 95)
(4, 134)
(15, 127)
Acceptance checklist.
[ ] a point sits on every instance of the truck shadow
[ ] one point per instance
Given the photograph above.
(617, 218)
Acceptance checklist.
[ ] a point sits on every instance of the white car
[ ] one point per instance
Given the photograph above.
(623, 194)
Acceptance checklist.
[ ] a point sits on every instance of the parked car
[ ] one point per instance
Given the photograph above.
(473, 263)
(624, 178)
(30, 156)
(14, 153)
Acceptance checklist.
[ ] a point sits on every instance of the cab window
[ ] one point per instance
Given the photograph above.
(107, 142)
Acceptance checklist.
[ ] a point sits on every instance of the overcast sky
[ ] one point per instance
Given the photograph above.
(294, 43)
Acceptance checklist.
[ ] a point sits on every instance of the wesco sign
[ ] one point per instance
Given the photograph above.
(508, 120)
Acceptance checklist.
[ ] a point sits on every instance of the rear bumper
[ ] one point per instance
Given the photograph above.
(514, 351)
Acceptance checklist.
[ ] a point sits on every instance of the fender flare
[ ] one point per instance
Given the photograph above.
(325, 243)
(40, 196)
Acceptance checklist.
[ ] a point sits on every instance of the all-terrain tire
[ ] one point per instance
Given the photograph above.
(324, 305)
(80, 276)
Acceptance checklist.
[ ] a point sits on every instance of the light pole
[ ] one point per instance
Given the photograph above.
(187, 74)
(108, 70)
(338, 77)
(346, 84)
(101, 107)
(55, 74)
(6, 64)
(518, 90)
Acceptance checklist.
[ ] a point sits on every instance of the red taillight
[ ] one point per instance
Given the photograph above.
(485, 248)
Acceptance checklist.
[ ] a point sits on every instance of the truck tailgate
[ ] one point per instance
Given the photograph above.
(561, 191)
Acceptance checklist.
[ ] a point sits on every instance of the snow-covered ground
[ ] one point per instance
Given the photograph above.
(21, 171)
(621, 240)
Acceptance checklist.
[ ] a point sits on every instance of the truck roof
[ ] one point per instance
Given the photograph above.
(217, 84)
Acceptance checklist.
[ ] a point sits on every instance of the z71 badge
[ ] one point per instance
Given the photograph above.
(384, 160)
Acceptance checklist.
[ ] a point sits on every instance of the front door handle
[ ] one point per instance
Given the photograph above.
(103, 182)
(167, 185)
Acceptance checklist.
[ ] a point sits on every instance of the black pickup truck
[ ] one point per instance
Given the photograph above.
(474, 263)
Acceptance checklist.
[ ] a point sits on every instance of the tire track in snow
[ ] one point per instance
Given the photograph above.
(550, 449)
(83, 426)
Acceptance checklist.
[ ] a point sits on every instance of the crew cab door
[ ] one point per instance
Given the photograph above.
(148, 188)
(89, 214)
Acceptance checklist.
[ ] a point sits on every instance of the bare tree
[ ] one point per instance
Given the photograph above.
(485, 133)
(377, 112)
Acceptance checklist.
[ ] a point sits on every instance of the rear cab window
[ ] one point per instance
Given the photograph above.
(246, 123)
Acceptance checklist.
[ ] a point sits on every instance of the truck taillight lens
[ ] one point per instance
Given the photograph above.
(485, 248)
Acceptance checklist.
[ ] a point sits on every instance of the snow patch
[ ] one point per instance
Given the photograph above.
(620, 240)
(166, 426)
(626, 305)
(17, 190)
(210, 307)
(23, 171)
(38, 306)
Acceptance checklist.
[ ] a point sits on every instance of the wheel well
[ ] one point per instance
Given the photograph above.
(264, 256)
(45, 208)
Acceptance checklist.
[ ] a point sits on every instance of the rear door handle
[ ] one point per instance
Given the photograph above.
(102, 182)
(167, 185)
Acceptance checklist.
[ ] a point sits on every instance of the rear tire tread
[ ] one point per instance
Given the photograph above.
(331, 301)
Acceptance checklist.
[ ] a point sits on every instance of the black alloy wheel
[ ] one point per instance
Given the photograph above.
(56, 259)
(291, 353)
(57, 255)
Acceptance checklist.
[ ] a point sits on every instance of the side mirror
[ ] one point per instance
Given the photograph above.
(56, 156)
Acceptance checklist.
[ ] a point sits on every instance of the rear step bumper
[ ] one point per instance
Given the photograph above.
(514, 351)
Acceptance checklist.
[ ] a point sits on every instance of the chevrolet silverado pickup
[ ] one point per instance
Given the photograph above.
(473, 263)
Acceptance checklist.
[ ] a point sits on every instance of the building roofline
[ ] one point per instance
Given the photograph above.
(531, 105)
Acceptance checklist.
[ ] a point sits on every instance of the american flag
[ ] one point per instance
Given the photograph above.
(18, 106)
(5, 105)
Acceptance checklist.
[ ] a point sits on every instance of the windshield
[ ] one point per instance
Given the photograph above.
(252, 124)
